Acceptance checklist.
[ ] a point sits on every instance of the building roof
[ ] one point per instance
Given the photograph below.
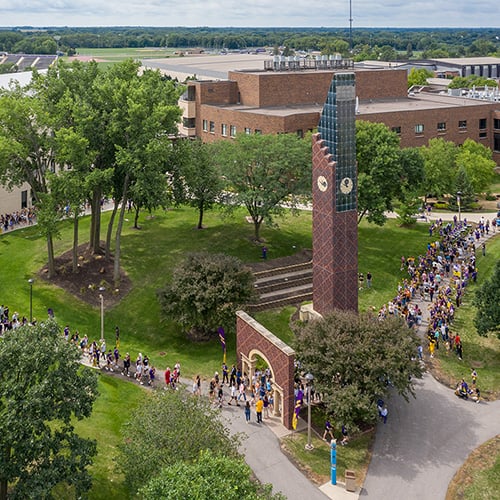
(418, 102)
(468, 61)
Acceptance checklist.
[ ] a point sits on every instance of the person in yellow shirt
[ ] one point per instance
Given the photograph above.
(259, 405)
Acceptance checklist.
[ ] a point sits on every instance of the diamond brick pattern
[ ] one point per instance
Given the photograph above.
(335, 241)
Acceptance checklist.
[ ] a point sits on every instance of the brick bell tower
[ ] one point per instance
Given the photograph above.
(335, 228)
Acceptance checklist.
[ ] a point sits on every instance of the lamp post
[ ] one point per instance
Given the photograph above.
(102, 289)
(309, 378)
(31, 281)
(459, 194)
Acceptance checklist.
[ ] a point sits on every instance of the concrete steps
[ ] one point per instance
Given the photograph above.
(281, 286)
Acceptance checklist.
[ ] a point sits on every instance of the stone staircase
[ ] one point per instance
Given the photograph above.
(281, 286)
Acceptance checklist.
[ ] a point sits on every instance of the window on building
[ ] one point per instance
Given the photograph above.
(483, 135)
(441, 126)
(396, 130)
(248, 130)
(300, 133)
(232, 130)
(258, 131)
(212, 127)
(205, 125)
(496, 123)
(496, 143)
(24, 199)
(462, 124)
(223, 130)
(483, 123)
(419, 129)
(189, 122)
(191, 93)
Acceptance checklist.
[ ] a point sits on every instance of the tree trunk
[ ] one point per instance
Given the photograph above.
(136, 218)
(361, 215)
(256, 225)
(3, 490)
(116, 269)
(75, 242)
(95, 227)
(50, 254)
(200, 215)
(110, 231)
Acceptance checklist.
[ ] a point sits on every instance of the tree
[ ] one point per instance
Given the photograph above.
(487, 301)
(167, 429)
(27, 149)
(43, 389)
(439, 156)
(470, 81)
(477, 160)
(419, 76)
(202, 180)
(205, 292)
(212, 476)
(144, 112)
(379, 170)
(412, 167)
(464, 187)
(263, 172)
(356, 360)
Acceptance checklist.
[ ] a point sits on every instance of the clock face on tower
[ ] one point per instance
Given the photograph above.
(346, 185)
(322, 183)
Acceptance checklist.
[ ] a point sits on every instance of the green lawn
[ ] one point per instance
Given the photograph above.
(117, 399)
(355, 456)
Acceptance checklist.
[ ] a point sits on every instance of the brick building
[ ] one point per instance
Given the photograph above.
(287, 101)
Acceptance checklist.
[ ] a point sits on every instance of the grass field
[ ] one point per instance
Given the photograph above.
(107, 57)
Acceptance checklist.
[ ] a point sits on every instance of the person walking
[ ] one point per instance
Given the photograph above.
(247, 412)
(384, 413)
(328, 431)
(259, 405)
(368, 280)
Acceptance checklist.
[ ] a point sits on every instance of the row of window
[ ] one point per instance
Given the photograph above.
(209, 126)
(462, 125)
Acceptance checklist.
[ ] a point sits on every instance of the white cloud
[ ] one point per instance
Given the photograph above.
(335, 13)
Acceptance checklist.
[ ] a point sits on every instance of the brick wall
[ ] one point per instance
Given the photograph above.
(252, 336)
(335, 241)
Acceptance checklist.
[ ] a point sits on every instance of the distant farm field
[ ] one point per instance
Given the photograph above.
(120, 54)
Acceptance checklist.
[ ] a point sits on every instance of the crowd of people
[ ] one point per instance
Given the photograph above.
(440, 277)
(19, 218)
(242, 391)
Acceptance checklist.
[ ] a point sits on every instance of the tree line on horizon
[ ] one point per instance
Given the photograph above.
(386, 43)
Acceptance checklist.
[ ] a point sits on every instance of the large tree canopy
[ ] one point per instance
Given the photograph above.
(211, 477)
(487, 301)
(355, 359)
(42, 389)
(170, 428)
(379, 170)
(205, 292)
(439, 157)
(265, 171)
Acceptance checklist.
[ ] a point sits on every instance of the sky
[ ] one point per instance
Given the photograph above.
(258, 13)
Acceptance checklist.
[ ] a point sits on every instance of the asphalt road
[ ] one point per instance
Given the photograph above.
(425, 441)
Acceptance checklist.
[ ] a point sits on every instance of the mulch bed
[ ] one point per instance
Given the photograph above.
(94, 272)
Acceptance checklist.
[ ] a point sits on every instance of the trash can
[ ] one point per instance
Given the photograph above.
(350, 480)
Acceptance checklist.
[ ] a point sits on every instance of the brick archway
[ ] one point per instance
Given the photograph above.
(252, 340)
